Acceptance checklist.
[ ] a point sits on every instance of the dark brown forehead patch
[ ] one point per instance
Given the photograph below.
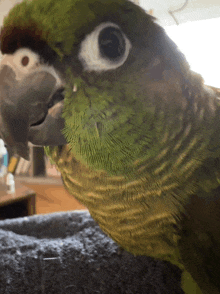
(12, 38)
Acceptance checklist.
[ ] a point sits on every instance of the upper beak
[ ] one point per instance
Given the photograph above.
(24, 109)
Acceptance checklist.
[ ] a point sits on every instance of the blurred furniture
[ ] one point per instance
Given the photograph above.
(21, 203)
(35, 167)
(51, 195)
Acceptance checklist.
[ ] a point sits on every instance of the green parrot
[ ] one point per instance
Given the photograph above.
(133, 131)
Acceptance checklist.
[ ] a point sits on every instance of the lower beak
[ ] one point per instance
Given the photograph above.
(24, 112)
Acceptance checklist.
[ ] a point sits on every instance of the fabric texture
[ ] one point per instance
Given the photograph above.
(68, 253)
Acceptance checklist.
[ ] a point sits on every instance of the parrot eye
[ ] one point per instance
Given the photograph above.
(111, 43)
(105, 48)
(25, 59)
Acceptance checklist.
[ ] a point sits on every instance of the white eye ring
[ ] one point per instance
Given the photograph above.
(89, 53)
(25, 59)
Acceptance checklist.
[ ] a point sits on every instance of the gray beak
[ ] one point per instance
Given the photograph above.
(25, 114)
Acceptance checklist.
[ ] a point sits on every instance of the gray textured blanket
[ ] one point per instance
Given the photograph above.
(68, 253)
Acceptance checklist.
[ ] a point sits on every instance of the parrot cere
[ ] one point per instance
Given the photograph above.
(133, 131)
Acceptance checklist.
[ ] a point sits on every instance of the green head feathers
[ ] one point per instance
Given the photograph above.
(63, 22)
(108, 127)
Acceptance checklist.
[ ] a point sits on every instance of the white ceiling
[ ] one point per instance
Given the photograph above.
(194, 10)
(5, 6)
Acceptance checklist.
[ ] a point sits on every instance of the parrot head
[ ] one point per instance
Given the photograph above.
(101, 76)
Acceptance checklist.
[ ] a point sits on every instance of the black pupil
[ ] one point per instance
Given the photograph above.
(111, 43)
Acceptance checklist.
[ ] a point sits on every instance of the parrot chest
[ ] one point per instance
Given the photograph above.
(138, 220)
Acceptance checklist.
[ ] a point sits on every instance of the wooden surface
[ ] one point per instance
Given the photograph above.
(51, 197)
(21, 203)
(21, 192)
